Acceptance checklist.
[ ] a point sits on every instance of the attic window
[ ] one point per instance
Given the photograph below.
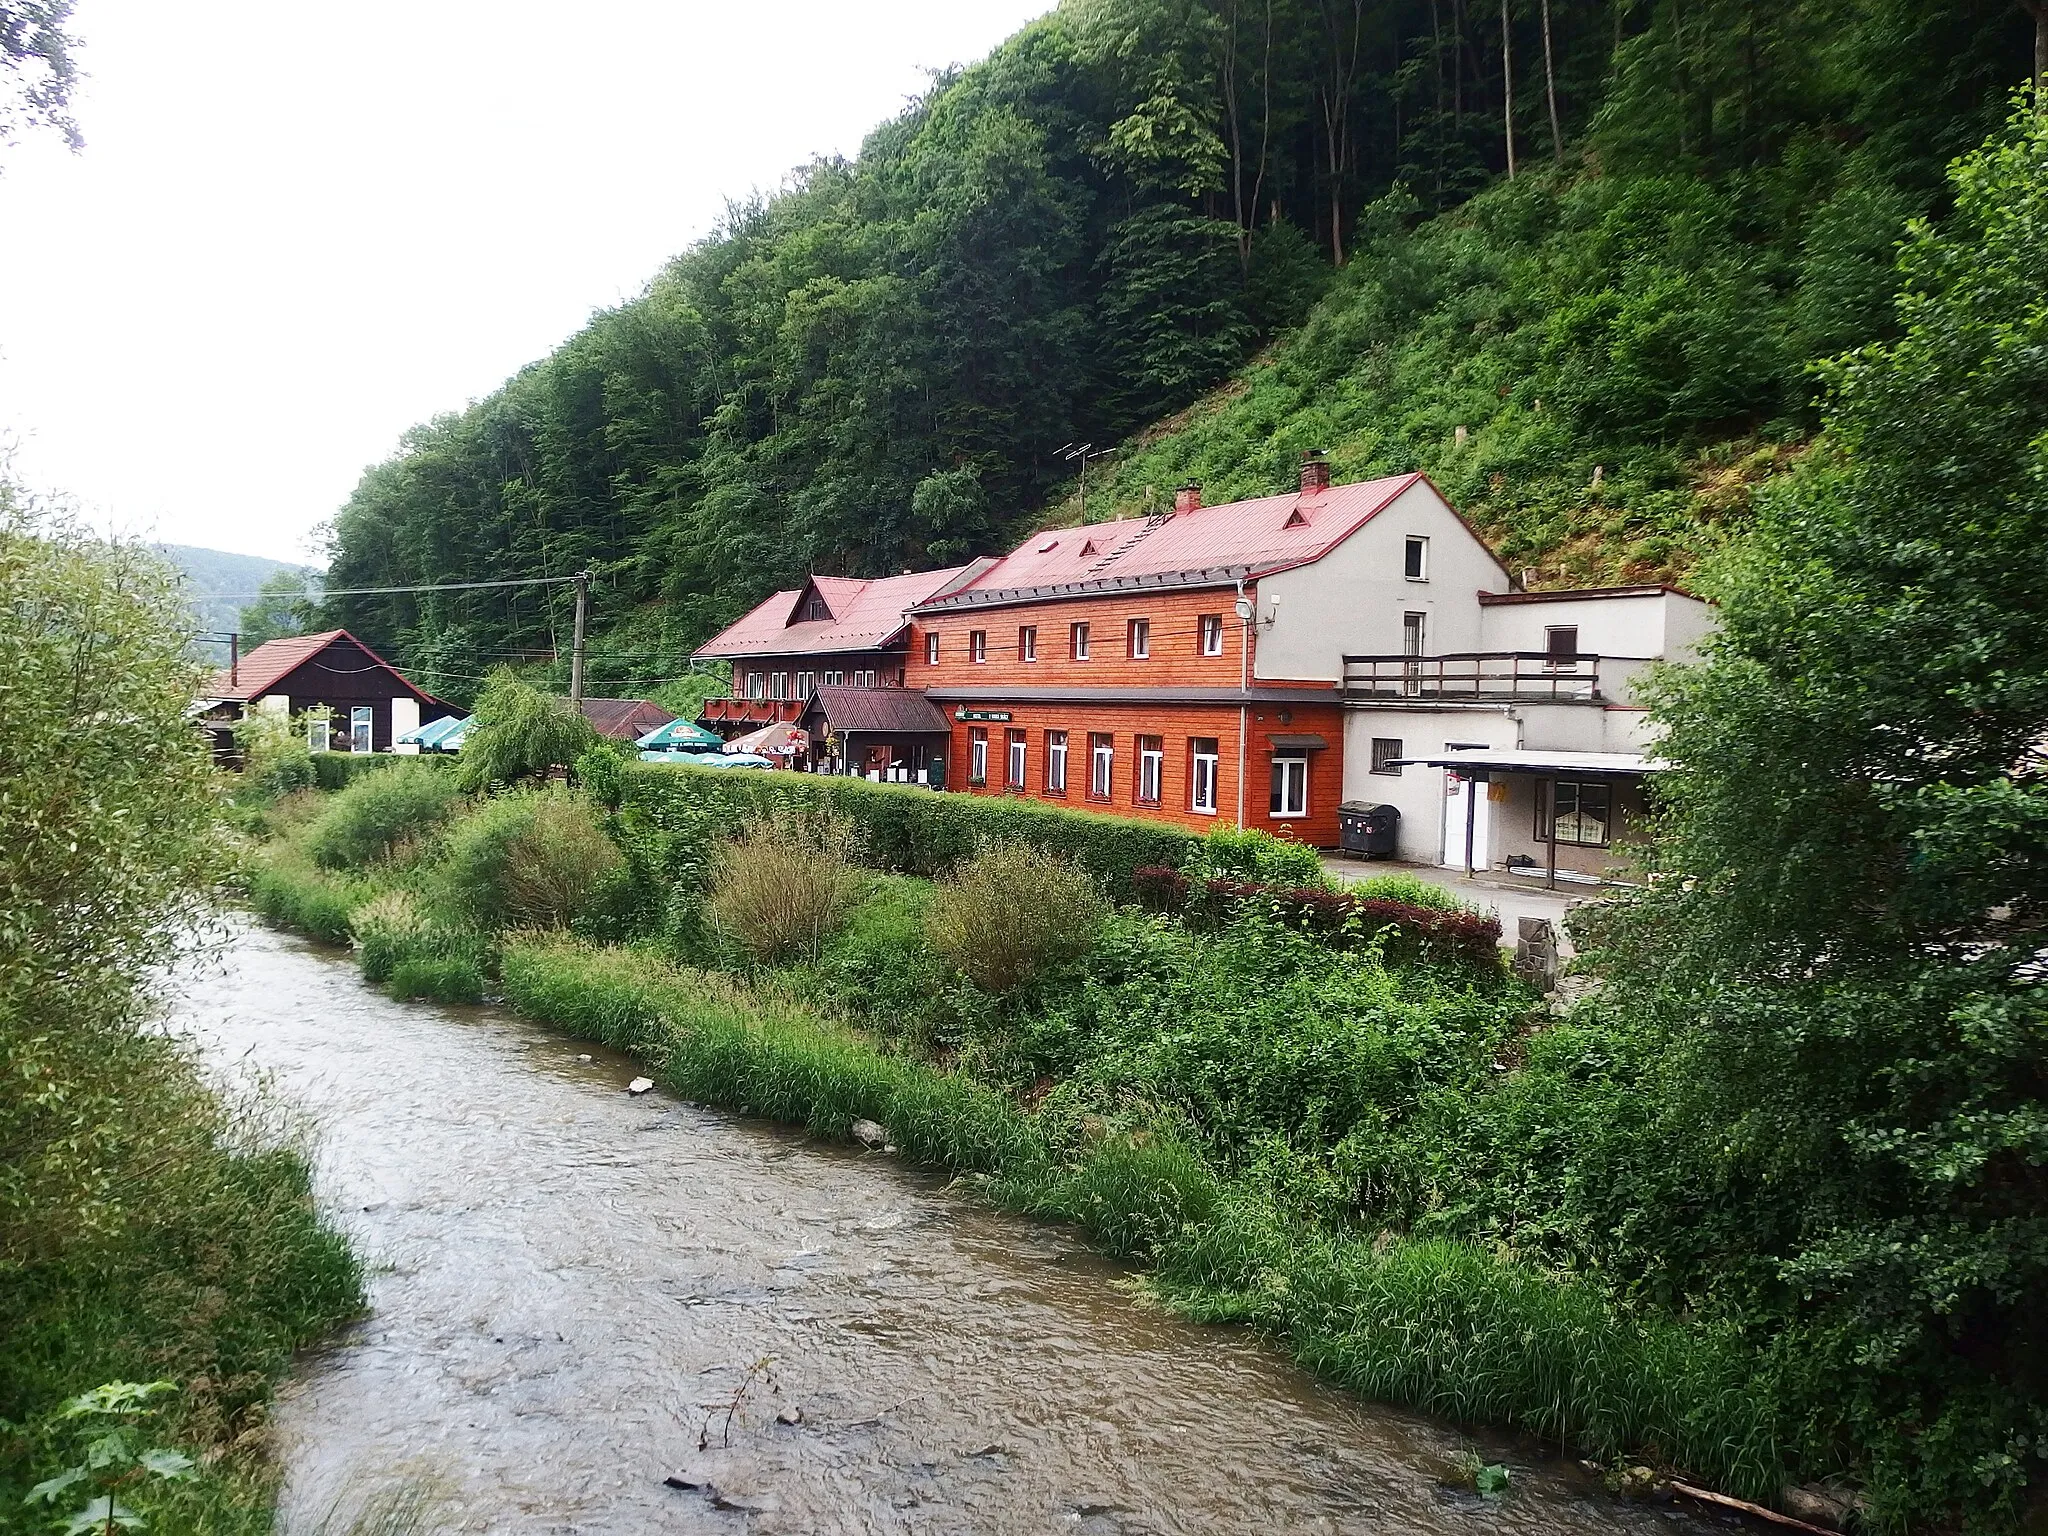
(1048, 546)
(1296, 519)
(1087, 549)
(814, 609)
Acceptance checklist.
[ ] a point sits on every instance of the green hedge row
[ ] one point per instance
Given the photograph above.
(338, 770)
(908, 829)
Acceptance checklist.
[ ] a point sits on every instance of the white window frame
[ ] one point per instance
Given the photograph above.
(1101, 764)
(1415, 553)
(1203, 765)
(1056, 762)
(1027, 642)
(1212, 634)
(806, 684)
(362, 728)
(1290, 787)
(977, 646)
(757, 685)
(1138, 639)
(931, 648)
(1077, 640)
(1018, 755)
(835, 679)
(778, 685)
(319, 732)
(977, 755)
(1151, 786)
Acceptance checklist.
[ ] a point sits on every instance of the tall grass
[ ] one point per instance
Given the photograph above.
(784, 884)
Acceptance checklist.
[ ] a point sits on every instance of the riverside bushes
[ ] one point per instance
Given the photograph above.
(1010, 911)
(147, 1228)
(377, 812)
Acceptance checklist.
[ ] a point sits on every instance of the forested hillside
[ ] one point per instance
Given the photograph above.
(1605, 238)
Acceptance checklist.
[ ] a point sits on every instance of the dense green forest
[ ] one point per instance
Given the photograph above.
(1574, 258)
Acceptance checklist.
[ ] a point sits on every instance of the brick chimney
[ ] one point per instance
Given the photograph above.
(1188, 498)
(1315, 472)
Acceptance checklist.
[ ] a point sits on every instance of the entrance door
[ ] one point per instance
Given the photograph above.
(1457, 793)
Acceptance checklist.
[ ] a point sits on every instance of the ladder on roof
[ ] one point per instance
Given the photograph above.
(1156, 521)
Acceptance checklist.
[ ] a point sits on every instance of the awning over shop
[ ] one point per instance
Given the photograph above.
(682, 736)
(442, 735)
(1539, 760)
(1298, 741)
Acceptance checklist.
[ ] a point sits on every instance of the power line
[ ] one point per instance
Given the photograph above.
(441, 586)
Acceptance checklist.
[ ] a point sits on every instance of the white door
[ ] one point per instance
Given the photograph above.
(1457, 795)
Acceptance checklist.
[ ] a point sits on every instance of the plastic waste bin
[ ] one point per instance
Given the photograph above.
(1372, 830)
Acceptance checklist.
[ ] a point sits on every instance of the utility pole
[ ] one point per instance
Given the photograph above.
(234, 658)
(576, 646)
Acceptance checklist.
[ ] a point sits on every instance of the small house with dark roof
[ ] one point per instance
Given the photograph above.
(353, 699)
(625, 719)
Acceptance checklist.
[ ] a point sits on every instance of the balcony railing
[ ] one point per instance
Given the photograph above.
(1468, 675)
(752, 711)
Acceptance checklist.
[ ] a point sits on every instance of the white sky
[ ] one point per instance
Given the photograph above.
(295, 230)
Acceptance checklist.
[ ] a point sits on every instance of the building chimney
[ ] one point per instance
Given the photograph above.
(1315, 472)
(1188, 498)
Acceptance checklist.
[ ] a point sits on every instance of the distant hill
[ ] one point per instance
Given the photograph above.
(222, 584)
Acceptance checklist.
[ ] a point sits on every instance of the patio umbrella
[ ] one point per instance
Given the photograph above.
(681, 736)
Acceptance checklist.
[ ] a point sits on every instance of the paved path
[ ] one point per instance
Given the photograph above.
(1507, 902)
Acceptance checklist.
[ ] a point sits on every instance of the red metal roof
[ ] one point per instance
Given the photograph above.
(865, 614)
(625, 719)
(273, 661)
(1206, 545)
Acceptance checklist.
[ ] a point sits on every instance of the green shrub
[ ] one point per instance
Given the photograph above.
(1251, 853)
(288, 891)
(880, 968)
(377, 812)
(335, 771)
(1410, 890)
(531, 859)
(518, 734)
(784, 884)
(401, 942)
(438, 978)
(905, 829)
(1010, 911)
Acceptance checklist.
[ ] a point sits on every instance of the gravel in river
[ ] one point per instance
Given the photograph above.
(569, 1283)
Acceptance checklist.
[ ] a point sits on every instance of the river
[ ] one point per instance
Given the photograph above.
(569, 1284)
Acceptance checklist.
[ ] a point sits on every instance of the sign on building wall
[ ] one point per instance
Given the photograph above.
(981, 714)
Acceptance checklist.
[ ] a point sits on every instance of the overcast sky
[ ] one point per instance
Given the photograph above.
(297, 229)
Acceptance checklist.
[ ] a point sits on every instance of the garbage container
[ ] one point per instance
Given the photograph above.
(1368, 829)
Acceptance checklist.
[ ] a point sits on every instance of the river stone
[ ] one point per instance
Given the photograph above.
(640, 1085)
(869, 1134)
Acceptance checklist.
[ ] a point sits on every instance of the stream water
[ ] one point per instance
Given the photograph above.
(570, 1284)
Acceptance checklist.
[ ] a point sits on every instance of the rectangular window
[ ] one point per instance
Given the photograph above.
(865, 678)
(778, 685)
(1290, 786)
(1580, 813)
(1202, 760)
(1015, 743)
(806, 684)
(1561, 648)
(1415, 560)
(319, 730)
(835, 679)
(1211, 630)
(1151, 769)
(977, 645)
(1387, 755)
(1056, 762)
(1077, 641)
(977, 755)
(1140, 639)
(1027, 642)
(1101, 757)
(931, 648)
(359, 720)
(757, 685)
(1414, 634)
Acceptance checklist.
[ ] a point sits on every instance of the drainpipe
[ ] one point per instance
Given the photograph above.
(1243, 608)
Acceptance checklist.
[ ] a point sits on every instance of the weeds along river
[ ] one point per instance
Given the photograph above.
(568, 1283)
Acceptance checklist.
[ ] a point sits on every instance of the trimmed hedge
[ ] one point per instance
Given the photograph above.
(907, 829)
(338, 770)
(1336, 917)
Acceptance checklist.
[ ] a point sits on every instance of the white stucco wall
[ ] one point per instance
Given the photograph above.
(1352, 600)
(1418, 791)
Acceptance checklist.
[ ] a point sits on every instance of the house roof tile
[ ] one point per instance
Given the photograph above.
(865, 614)
(896, 711)
(273, 661)
(625, 719)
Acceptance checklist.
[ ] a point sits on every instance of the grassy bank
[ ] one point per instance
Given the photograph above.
(161, 1256)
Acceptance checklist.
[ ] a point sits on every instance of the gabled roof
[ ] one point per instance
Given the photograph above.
(1209, 546)
(625, 719)
(1582, 594)
(865, 615)
(891, 711)
(273, 661)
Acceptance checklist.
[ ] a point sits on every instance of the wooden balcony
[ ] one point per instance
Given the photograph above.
(1475, 676)
(750, 712)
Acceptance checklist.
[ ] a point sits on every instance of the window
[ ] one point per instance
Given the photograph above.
(359, 720)
(806, 684)
(1415, 560)
(1077, 641)
(778, 685)
(1211, 631)
(1387, 755)
(1290, 786)
(977, 645)
(977, 755)
(1014, 740)
(1140, 639)
(757, 685)
(931, 648)
(1202, 758)
(1561, 647)
(814, 610)
(1027, 642)
(1056, 762)
(1414, 634)
(319, 730)
(1101, 755)
(865, 678)
(1151, 769)
(835, 679)
(1581, 813)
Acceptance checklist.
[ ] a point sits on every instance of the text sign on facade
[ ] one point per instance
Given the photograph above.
(981, 714)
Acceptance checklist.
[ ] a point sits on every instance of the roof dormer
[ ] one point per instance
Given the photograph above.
(810, 607)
